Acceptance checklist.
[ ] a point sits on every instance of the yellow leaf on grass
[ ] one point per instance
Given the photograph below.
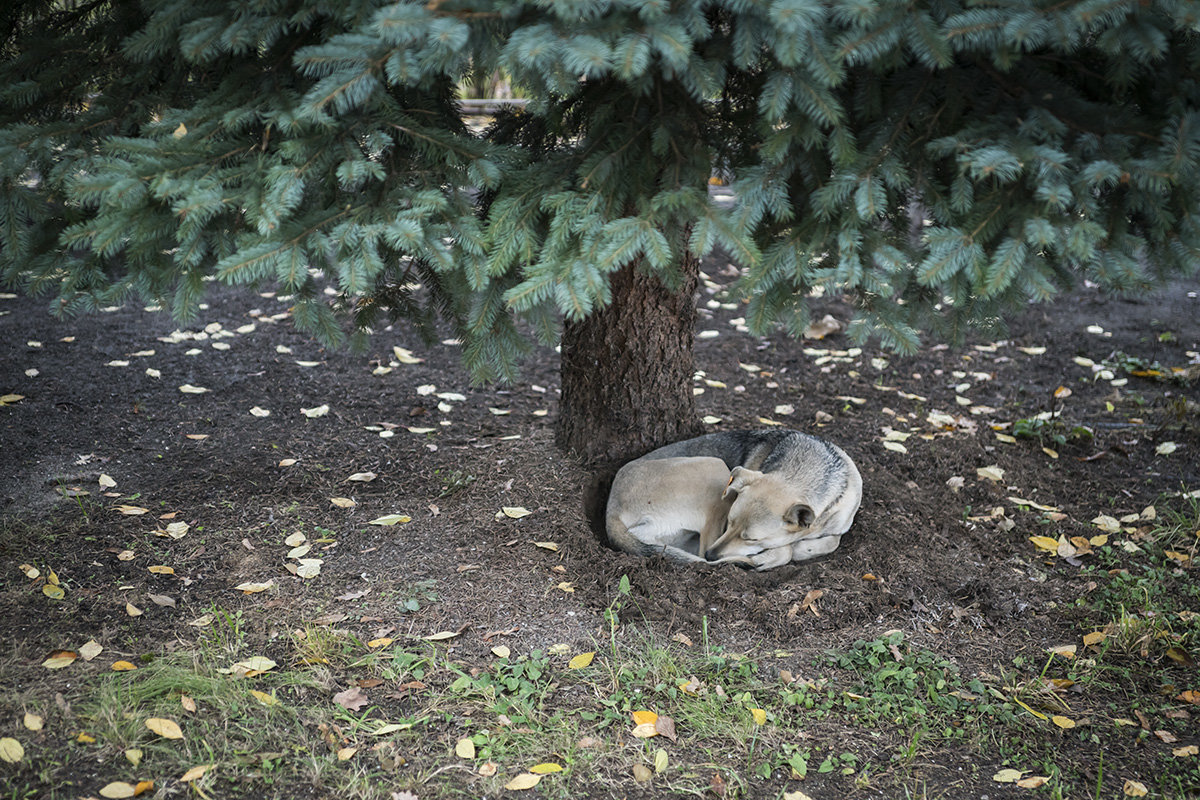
(33, 722)
(760, 716)
(346, 753)
(551, 546)
(132, 610)
(644, 717)
(465, 748)
(501, 651)
(1033, 782)
(53, 591)
(1184, 752)
(1095, 637)
(362, 477)
(195, 772)
(1007, 776)
(391, 727)
(168, 729)
(441, 636)
(159, 569)
(1134, 788)
(582, 660)
(59, 659)
(1037, 714)
(188, 703)
(1064, 650)
(11, 750)
(660, 761)
(118, 789)
(123, 666)
(134, 756)
(526, 780)
(545, 768)
(85, 738)
(1066, 723)
(264, 698)
(1099, 540)
(645, 730)
(256, 664)
(343, 502)
(380, 642)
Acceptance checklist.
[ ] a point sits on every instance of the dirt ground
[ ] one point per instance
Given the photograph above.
(100, 395)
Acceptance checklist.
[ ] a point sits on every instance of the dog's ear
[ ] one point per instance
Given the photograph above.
(799, 515)
(739, 479)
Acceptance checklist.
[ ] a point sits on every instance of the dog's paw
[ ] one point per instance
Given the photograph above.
(770, 559)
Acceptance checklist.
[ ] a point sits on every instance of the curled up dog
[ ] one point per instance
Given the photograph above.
(756, 498)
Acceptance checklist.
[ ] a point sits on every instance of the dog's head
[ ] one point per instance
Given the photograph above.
(764, 514)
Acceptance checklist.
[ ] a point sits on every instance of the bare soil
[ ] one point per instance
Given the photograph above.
(925, 556)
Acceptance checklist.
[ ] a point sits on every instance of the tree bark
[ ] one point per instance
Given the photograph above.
(627, 370)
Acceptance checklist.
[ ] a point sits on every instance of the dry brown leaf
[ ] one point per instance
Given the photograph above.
(351, 699)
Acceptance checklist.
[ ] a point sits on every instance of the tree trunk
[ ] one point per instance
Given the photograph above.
(627, 370)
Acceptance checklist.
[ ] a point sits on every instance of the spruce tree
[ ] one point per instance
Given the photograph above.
(940, 163)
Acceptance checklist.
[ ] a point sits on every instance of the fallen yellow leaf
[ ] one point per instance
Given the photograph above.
(195, 772)
(1066, 723)
(1007, 776)
(59, 659)
(168, 729)
(644, 717)
(465, 748)
(11, 750)
(118, 789)
(123, 666)
(582, 660)
(1134, 788)
(526, 780)
(545, 768)
(1033, 782)
(760, 716)
(1045, 543)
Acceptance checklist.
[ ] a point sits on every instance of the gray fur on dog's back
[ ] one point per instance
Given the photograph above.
(765, 451)
(780, 450)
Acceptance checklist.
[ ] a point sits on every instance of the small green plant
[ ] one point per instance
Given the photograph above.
(453, 481)
(1048, 429)
(417, 595)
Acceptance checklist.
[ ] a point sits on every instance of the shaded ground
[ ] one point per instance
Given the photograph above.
(929, 555)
